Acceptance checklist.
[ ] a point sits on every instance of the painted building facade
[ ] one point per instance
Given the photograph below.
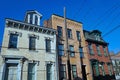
(116, 65)
(73, 51)
(97, 50)
(28, 50)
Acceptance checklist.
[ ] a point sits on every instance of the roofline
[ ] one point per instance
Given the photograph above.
(9, 19)
(33, 11)
(67, 18)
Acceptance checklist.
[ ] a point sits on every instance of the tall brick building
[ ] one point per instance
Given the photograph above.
(101, 66)
(78, 58)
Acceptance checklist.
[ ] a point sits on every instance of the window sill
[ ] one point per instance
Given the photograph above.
(33, 51)
(15, 49)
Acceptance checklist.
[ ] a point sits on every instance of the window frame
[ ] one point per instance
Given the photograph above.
(48, 48)
(81, 52)
(74, 71)
(90, 48)
(60, 31)
(13, 42)
(50, 73)
(98, 50)
(63, 71)
(33, 72)
(71, 50)
(78, 35)
(31, 45)
(69, 33)
(61, 50)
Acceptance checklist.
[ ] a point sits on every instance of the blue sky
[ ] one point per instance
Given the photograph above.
(103, 15)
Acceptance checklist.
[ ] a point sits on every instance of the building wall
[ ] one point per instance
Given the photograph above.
(74, 26)
(39, 56)
(116, 65)
(101, 58)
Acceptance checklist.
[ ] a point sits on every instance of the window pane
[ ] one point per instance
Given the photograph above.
(71, 48)
(11, 72)
(13, 41)
(74, 71)
(32, 43)
(81, 52)
(78, 35)
(59, 29)
(36, 20)
(31, 71)
(98, 49)
(48, 45)
(61, 49)
(62, 71)
(90, 49)
(69, 33)
(49, 72)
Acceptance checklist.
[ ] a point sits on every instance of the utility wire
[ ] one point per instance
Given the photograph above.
(111, 22)
(111, 31)
(109, 11)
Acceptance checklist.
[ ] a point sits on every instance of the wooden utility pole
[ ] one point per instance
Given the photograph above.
(67, 51)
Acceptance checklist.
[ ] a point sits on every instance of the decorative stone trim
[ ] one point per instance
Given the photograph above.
(33, 35)
(15, 32)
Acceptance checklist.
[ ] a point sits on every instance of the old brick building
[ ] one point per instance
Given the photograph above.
(78, 58)
(98, 55)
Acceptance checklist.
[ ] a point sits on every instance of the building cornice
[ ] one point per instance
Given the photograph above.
(30, 27)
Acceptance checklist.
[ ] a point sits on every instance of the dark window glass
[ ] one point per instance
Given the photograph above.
(48, 45)
(98, 50)
(81, 52)
(72, 53)
(13, 41)
(49, 72)
(36, 20)
(74, 71)
(90, 49)
(32, 43)
(78, 35)
(59, 29)
(31, 71)
(69, 33)
(62, 72)
(31, 18)
(61, 49)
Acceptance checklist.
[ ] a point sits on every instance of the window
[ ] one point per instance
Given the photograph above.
(81, 52)
(61, 49)
(13, 41)
(31, 18)
(98, 50)
(97, 37)
(11, 72)
(62, 71)
(78, 35)
(109, 69)
(71, 48)
(74, 71)
(105, 51)
(49, 71)
(90, 49)
(95, 68)
(36, 20)
(31, 71)
(69, 33)
(59, 29)
(102, 69)
(48, 45)
(32, 43)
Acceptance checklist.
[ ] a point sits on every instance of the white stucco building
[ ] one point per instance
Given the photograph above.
(28, 50)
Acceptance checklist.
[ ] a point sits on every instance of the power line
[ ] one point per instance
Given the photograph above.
(109, 11)
(111, 31)
(111, 22)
